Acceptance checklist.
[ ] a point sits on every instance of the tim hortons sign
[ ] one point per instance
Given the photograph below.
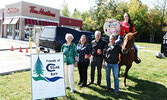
(41, 11)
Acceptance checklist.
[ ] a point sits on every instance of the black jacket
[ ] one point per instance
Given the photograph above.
(111, 55)
(97, 45)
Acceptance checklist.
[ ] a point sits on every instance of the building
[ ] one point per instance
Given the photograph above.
(70, 23)
(18, 20)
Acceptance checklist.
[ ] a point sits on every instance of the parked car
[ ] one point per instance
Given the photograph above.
(53, 37)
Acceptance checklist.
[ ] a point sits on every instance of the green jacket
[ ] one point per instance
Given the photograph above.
(69, 53)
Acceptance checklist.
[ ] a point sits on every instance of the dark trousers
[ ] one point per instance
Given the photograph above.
(82, 67)
(96, 61)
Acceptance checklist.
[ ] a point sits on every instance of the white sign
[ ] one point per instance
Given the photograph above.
(47, 76)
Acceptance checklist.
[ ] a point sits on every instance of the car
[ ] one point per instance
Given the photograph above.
(53, 37)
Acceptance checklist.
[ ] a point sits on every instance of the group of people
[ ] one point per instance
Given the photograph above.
(97, 54)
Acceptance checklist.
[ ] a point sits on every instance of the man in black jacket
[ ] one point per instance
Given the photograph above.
(97, 46)
(111, 55)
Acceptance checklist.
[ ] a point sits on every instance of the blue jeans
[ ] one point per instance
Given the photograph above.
(115, 70)
(136, 50)
(120, 39)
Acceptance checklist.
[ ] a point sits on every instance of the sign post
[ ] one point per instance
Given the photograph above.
(164, 43)
(47, 76)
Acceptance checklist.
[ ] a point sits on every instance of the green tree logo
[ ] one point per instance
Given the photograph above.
(38, 70)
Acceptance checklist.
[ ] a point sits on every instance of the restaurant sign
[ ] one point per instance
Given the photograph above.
(41, 11)
(12, 10)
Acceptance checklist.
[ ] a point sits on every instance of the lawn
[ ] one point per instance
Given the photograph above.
(147, 80)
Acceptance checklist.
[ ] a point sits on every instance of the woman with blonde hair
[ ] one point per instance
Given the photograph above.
(84, 53)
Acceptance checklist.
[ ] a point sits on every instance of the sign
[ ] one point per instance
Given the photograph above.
(164, 43)
(112, 27)
(47, 76)
(41, 11)
(12, 10)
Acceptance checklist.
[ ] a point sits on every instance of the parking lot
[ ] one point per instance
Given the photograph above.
(11, 61)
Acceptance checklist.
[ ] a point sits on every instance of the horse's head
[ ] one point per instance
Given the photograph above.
(128, 42)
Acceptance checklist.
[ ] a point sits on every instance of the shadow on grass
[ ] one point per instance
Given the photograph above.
(105, 95)
(90, 96)
(148, 90)
(143, 89)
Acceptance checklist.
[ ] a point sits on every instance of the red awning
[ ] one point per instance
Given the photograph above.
(45, 23)
(31, 22)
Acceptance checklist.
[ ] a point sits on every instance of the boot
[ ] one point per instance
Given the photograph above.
(137, 60)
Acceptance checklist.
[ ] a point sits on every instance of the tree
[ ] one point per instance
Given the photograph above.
(121, 10)
(65, 11)
(102, 11)
(163, 6)
(87, 21)
(154, 28)
(139, 15)
(76, 14)
(38, 70)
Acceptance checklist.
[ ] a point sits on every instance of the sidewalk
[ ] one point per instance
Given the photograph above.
(5, 44)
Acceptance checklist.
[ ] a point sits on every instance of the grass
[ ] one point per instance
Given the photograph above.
(149, 46)
(147, 80)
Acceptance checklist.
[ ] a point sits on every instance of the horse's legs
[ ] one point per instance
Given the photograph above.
(126, 73)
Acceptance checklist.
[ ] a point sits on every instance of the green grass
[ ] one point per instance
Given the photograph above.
(147, 80)
(149, 46)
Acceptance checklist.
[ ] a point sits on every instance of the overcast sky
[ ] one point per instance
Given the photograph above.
(81, 5)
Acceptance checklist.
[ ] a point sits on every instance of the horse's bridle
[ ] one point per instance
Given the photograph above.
(127, 50)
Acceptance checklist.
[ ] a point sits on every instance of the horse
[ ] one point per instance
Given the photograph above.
(128, 55)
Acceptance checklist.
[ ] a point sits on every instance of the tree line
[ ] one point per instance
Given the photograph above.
(148, 22)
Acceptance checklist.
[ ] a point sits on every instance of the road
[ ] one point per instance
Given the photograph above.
(11, 61)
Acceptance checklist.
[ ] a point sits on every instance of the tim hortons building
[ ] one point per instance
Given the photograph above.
(19, 20)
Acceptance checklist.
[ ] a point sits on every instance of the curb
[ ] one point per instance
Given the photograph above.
(10, 72)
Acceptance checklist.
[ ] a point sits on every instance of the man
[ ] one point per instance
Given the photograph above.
(97, 46)
(111, 55)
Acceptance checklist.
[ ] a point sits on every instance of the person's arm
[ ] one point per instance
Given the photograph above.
(103, 64)
(75, 54)
(89, 50)
(61, 49)
(133, 29)
(104, 52)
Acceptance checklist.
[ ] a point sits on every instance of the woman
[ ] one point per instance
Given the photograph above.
(84, 52)
(70, 58)
(111, 55)
(126, 27)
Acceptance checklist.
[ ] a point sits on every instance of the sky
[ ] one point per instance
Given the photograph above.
(81, 5)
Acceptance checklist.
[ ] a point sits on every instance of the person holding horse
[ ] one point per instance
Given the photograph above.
(126, 27)
(84, 53)
(111, 57)
(97, 47)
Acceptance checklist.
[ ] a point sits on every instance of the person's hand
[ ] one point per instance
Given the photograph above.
(104, 66)
(76, 64)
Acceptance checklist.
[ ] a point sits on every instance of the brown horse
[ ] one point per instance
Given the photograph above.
(128, 55)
